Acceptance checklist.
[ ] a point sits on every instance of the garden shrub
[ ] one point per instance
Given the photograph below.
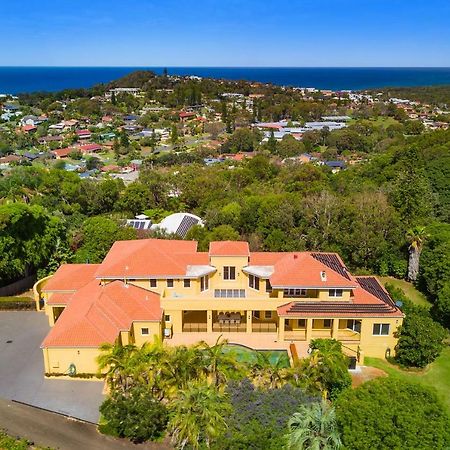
(259, 417)
(135, 415)
(387, 414)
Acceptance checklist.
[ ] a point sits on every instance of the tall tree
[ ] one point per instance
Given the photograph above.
(416, 237)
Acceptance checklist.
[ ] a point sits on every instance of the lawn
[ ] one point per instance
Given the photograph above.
(408, 288)
(436, 374)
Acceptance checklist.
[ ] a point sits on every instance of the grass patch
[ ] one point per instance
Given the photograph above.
(11, 443)
(409, 289)
(436, 375)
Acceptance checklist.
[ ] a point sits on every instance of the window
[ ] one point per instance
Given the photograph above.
(253, 282)
(256, 314)
(167, 317)
(170, 283)
(381, 329)
(286, 322)
(268, 286)
(267, 314)
(204, 283)
(335, 292)
(229, 293)
(295, 292)
(144, 331)
(229, 272)
(354, 325)
(301, 323)
(327, 323)
(153, 283)
(187, 283)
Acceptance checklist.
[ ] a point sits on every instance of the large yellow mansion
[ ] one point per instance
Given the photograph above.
(165, 288)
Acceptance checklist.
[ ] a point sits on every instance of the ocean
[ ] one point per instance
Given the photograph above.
(14, 80)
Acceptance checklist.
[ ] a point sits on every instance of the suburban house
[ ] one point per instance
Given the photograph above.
(83, 134)
(167, 289)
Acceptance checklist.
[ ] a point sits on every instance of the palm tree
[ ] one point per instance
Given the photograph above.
(416, 237)
(118, 360)
(182, 365)
(217, 363)
(269, 374)
(313, 427)
(197, 416)
(149, 362)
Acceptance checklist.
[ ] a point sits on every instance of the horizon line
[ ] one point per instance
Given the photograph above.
(220, 67)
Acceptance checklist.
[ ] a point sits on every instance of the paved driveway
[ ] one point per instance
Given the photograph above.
(22, 370)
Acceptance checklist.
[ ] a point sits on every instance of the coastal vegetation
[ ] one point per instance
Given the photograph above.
(386, 212)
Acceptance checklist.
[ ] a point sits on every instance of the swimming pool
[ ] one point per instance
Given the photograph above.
(247, 355)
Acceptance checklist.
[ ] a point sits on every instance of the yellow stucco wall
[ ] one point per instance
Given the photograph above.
(376, 346)
(154, 329)
(58, 360)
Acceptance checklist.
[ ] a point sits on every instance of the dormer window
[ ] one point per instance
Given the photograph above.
(323, 275)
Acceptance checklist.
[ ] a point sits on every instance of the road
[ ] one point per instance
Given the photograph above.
(47, 429)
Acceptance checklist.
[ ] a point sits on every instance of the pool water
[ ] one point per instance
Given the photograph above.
(247, 355)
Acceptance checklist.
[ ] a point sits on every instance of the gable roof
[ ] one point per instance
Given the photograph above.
(229, 248)
(97, 313)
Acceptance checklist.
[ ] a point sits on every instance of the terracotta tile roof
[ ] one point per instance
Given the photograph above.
(96, 314)
(229, 248)
(62, 152)
(337, 309)
(90, 148)
(304, 270)
(369, 299)
(150, 257)
(71, 277)
(59, 298)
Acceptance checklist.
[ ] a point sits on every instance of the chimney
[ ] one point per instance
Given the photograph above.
(323, 275)
(295, 256)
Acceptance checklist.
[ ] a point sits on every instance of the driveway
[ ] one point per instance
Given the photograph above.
(22, 370)
(49, 429)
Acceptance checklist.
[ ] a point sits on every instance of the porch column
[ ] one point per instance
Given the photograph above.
(309, 325)
(249, 322)
(209, 321)
(335, 330)
(281, 328)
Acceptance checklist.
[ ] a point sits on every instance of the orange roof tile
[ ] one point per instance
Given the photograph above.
(303, 270)
(369, 299)
(97, 313)
(229, 248)
(71, 277)
(150, 257)
(59, 298)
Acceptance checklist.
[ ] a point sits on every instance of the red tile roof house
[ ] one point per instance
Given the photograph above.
(167, 289)
(83, 134)
(29, 128)
(90, 148)
(61, 153)
(184, 116)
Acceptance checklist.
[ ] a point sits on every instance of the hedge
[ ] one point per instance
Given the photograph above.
(17, 304)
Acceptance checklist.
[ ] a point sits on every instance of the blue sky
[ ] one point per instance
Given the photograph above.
(225, 33)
